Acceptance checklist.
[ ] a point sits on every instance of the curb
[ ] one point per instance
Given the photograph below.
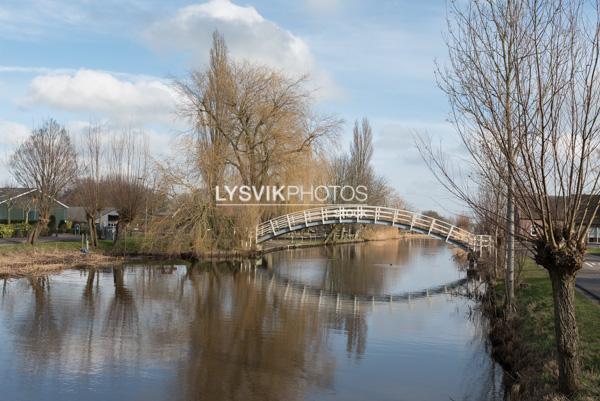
(588, 293)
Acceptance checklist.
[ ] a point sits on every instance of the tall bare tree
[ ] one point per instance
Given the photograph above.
(356, 167)
(205, 95)
(90, 189)
(128, 177)
(251, 125)
(249, 118)
(361, 154)
(524, 89)
(46, 161)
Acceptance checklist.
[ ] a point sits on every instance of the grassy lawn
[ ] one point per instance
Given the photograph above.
(593, 251)
(534, 303)
(131, 244)
(45, 246)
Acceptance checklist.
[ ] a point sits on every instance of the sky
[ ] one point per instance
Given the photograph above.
(113, 61)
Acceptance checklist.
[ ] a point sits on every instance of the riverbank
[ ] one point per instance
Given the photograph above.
(18, 260)
(525, 344)
(21, 260)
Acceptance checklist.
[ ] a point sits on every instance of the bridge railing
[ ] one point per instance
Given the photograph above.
(364, 214)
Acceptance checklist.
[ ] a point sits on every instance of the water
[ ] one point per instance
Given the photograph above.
(226, 331)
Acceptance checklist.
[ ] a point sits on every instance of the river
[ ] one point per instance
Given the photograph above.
(307, 324)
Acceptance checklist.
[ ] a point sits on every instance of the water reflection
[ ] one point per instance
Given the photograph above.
(384, 267)
(216, 331)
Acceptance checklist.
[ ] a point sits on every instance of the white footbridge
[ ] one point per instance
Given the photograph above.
(364, 214)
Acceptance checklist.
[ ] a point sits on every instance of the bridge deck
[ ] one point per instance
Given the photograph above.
(364, 214)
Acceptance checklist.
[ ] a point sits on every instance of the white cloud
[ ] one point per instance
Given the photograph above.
(396, 157)
(12, 134)
(248, 35)
(125, 99)
(159, 142)
(26, 70)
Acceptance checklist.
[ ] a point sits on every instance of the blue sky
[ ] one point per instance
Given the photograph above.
(112, 61)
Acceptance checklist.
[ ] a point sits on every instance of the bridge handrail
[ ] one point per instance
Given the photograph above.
(329, 214)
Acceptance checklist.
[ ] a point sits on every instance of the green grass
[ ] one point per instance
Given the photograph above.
(11, 248)
(593, 251)
(535, 308)
(130, 244)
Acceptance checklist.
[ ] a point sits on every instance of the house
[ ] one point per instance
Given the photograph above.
(108, 217)
(76, 215)
(19, 205)
(106, 220)
(528, 225)
(106, 223)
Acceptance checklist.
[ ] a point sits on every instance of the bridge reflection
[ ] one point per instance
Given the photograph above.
(225, 330)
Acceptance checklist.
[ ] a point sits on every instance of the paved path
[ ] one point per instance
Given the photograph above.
(588, 278)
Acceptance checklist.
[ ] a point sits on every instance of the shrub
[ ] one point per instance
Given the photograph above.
(62, 227)
(7, 230)
(22, 229)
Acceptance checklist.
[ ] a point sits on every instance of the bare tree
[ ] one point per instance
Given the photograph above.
(249, 118)
(128, 178)
(90, 189)
(205, 95)
(524, 91)
(46, 161)
(463, 221)
(251, 125)
(361, 154)
(356, 167)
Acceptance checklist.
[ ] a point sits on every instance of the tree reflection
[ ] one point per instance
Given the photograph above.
(42, 330)
(122, 316)
(218, 330)
(249, 344)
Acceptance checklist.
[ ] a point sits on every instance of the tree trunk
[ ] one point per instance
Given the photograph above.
(510, 247)
(116, 235)
(93, 231)
(37, 229)
(565, 326)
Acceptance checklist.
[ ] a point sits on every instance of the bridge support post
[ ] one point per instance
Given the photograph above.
(431, 226)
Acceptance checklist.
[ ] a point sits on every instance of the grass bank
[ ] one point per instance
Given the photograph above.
(593, 251)
(526, 344)
(18, 260)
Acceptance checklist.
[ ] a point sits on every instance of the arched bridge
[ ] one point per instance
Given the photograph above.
(364, 214)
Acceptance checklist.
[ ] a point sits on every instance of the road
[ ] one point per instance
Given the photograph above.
(588, 278)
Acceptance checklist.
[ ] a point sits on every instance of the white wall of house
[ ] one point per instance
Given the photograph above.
(107, 219)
